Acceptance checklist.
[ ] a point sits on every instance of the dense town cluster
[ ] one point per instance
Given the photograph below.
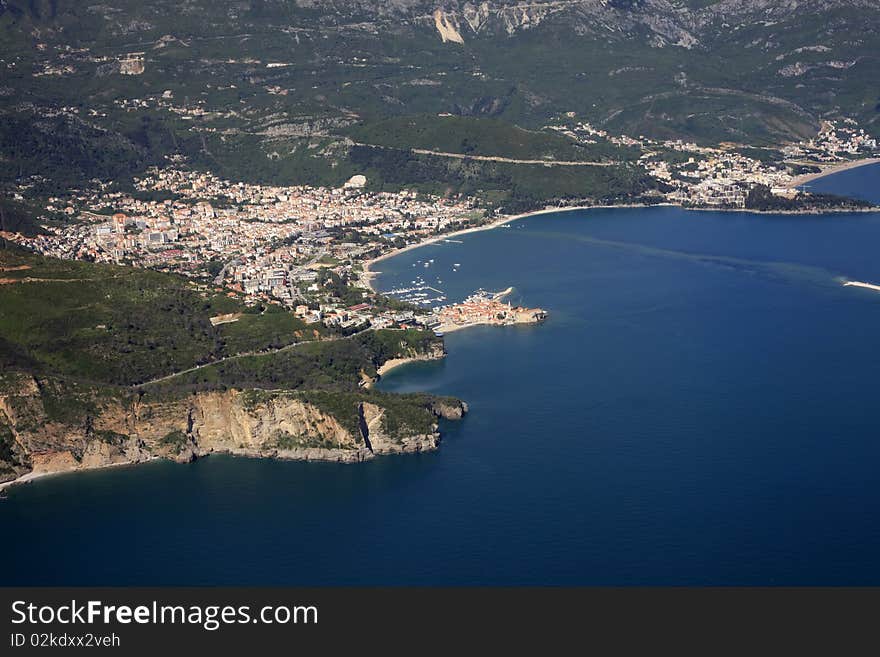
(305, 247)
(482, 308)
(298, 246)
(834, 143)
(717, 178)
(723, 176)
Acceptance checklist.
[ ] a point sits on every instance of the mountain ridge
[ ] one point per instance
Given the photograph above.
(268, 89)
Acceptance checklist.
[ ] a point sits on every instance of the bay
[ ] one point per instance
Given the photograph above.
(699, 408)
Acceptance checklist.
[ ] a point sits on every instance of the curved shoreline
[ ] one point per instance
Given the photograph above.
(394, 363)
(831, 169)
(369, 274)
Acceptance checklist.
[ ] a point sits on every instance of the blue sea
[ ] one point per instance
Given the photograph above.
(700, 408)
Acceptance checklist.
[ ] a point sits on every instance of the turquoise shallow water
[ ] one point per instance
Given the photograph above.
(700, 408)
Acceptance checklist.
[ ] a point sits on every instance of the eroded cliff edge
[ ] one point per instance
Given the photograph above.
(343, 427)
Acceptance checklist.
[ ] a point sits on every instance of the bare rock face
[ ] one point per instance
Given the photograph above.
(54, 461)
(101, 453)
(379, 440)
(221, 422)
(258, 424)
(371, 426)
(450, 410)
(447, 27)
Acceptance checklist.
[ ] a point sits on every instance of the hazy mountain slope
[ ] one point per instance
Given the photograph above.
(267, 88)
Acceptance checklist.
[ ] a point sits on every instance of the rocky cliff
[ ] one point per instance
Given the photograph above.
(685, 23)
(279, 424)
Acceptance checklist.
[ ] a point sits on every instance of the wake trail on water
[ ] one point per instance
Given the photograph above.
(793, 272)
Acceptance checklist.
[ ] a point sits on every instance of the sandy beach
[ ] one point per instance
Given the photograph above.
(25, 478)
(829, 169)
(34, 476)
(393, 363)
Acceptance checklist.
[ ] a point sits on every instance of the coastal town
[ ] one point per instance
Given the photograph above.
(301, 247)
(722, 176)
(304, 248)
(488, 309)
(310, 249)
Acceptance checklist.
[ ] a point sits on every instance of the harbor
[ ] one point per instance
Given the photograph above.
(419, 293)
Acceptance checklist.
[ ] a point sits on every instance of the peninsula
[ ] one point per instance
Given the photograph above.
(103, 365)
(484, 309)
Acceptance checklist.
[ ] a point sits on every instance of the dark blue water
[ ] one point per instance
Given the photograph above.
(700, 408)
(856, 183)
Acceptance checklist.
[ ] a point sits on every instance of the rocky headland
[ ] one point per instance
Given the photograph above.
(269, 424)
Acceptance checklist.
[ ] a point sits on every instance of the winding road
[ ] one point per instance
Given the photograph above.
(496, 158)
